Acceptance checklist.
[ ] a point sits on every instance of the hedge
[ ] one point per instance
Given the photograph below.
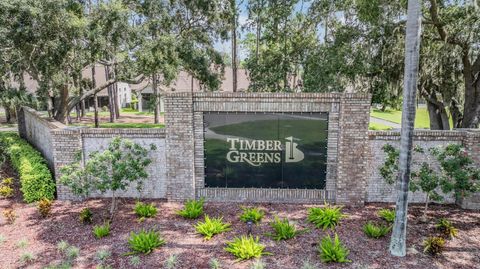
(35, 178)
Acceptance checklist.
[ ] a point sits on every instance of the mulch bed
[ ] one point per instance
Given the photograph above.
(193, 252)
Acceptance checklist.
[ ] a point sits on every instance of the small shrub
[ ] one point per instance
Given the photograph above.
(433, 245)
(135, 261)
(283, 229)
(246, 247)
(36, 180)
(258, 264)
(6, 191)
(72, 253)
(252, 214)
(27, 257)
(145, 210)
(447, 228)
(103, 254)
(101, 231)
(327, 217)
(375, 231)
(86, 215)
(332, 250)
(62, 246)
(145, 241)
(8, 182)
(387, 214)
(214, 264)
(193, 209)
(211, 226)
(44, 207)
(171, 262)
(22, 243)
(9, 215)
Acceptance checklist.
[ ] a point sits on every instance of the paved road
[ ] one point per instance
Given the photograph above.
(385, 122)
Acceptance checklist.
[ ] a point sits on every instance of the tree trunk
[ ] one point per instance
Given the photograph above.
(438, 116)
(8, 117)
(62, 105)
(412, 49)
(471, 107)
(234, 45)
(156, 95)
(95, 99)
(116, 101)
(111, 101)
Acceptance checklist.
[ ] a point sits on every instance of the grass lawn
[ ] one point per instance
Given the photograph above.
(124, 125)
(422, 120)
(127, 111)
(378, 126)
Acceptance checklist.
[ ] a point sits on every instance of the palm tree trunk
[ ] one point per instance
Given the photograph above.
(412, 51)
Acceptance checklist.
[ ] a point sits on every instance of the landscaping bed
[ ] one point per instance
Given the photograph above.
(39, 237)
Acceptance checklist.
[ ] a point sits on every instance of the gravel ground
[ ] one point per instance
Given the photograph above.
(42, 236)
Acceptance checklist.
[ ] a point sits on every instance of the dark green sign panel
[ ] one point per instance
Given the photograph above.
(265, 150)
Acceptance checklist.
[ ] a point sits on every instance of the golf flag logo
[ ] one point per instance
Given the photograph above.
(292, 153)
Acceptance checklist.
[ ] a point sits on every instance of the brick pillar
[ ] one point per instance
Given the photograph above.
(352, 150)
(22, 128)
(179, 132)
(472, 146)
(66, 145)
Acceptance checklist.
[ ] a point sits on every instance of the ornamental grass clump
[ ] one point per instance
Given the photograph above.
(86, 215)
(332, 250)
(376, 231)
(283, 229)
(143, 210)
(211, 226)
(192, 209)
(433, 245)
(447, 228)
(387, 214)
(145, 241)
(327, 217)
(246, 247)
(253, 214)
(101, 231)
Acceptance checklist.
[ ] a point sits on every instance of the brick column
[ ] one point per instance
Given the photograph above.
(352, 150)
(472, 146)
(179, 146)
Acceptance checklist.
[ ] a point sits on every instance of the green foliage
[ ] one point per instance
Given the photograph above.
(332, 250)
(214, 264)
(171, 262)
(246, 247)
(193, 209)
(145, 241)
(103, 254)
(252, 214)
(62, 246)
(145, 210)
(447, 228)
(7, 181)
(101, 230)
(72, 253)
(6, 191)
(27, 257)
(44, 207)
(122, 163)
(86, 215)
(135, 261)
(283, 229)
(390, 168)
(308, 265)
(2, 239)
(376, 231)
(35, 178)
(433, 245)
(326, 218)
(22, 243)
(211, 226)
(258, 264)
(387, 214)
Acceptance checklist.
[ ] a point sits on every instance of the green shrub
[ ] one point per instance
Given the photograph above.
(375, 231)
(44, 207)
(145, 241)
(447, 228)
(211, 227)
(214, 264)
(27, 257)
(246, 247)
(332, 250)
(387, 214)
(326, 217)
(283, 230)
(193, 209)
(35, 178)
(6, 191)
(252, 214)
(101, 230)
(86, 215)
(7, 182)
(433, 245)
(171, 262)
(135, 261)
(145, 210)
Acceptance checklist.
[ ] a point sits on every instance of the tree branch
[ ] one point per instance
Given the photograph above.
(435, 19)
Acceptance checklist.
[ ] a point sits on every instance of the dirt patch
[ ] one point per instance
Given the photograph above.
(43, 235)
